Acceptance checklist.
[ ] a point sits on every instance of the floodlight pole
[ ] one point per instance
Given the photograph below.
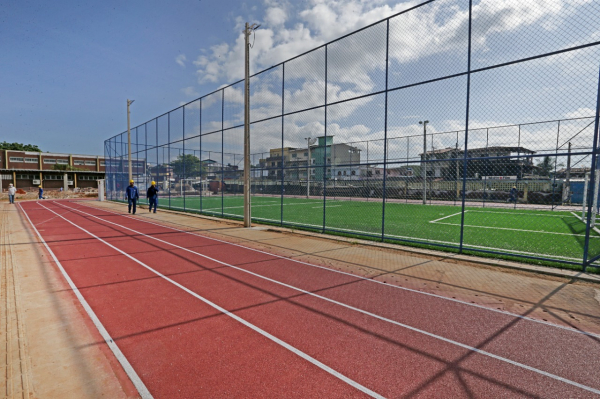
(129, 102)
(247, 215)
(424, 123)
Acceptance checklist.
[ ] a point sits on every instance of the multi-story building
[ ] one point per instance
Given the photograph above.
(490, 161)
(27, 169)
(327, 160)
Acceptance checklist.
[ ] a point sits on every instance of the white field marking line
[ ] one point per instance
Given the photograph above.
(446, 217)
(406, 326)
(522, 213)
(579, 218)
(137, 382)
(326, 206)
(239, 207)
(510, 229)
(230, 314)
(504, 312)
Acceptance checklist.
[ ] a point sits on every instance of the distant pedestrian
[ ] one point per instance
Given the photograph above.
(61, 189)
(152, 196)
(513, 195)
(40, 192)
(11, 193)
(133, 196)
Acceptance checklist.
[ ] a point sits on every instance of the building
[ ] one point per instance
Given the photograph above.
(28, 170)
(327, 160)
(490, 162)
(574, 173)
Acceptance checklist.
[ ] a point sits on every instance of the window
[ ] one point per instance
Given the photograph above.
(306, 154)
(62, 161)
(86, 177)
(377, 172)
(294, 155)
(102, 163)
(31, 160)
(78, 163)
(339, 172)
(93, 163)
(344, 173)
(49, 161)
(27, 177)
(16, 159)
(353, 173)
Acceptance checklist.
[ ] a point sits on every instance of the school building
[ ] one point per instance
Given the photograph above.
(27, 170)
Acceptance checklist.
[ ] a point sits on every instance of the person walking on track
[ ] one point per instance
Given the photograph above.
(133, 196)
(40, 192)
(152, 196)
(12, 190)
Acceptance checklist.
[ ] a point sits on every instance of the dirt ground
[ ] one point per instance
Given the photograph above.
(51, 194)
(54, 350)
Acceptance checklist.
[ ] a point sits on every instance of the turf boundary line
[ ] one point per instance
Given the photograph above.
(406, 326)
(262, 332)
(353, 275)
(446, 217)
(509, 229)
(135, 379)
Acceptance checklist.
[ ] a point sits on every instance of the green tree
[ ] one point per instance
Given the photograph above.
(19, 147)
(188, 163)
(546, 165)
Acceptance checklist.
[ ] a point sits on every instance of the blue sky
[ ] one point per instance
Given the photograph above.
(69, 67)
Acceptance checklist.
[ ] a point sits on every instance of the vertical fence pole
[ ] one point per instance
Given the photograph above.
(182, 185)
(200, 152)
(168, 163)
(385, 127)
(593, 179)
(222, 151)
(555, 164)
(282, 133)
(146, 154)
(464, 185)
(325, 147)
(156, 132)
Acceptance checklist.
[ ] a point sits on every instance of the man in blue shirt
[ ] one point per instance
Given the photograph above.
(40, 192)
(133, 195)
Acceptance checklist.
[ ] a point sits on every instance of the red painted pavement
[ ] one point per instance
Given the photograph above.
(181, 347)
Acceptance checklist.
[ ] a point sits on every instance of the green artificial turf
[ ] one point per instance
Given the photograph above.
(539, 233)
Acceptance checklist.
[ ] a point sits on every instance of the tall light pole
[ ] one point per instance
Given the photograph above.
(310, 141)
(129, 102)
(247, 216)
(424, 123)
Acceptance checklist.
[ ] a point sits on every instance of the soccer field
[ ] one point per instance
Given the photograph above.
(539, 233)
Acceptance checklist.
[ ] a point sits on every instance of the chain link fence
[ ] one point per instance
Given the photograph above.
(503, 163)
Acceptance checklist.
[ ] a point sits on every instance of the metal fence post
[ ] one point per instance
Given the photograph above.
(182, 185)
(222, 151)
(593, 179)
(464, 185)
(282, 133)
(325, 148)
(200, 153)
(385, 127)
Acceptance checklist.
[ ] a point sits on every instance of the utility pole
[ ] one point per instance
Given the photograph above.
(424, 123)
(247, 215)
(129, 102)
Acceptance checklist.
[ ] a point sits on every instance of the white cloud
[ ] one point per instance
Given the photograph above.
(190, 91)
(581, 113)
(180, 60)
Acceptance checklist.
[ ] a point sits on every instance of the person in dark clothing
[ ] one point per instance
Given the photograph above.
(40, 192)
(133, 196)
(513, 195)
(152, 196)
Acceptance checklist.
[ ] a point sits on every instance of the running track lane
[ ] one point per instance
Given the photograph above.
(388, 358)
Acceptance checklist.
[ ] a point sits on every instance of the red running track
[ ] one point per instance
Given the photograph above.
(199, 317)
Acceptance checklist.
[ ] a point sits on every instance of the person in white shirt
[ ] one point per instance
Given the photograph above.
(11, 193)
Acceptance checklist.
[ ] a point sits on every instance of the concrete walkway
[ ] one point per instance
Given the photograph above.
(49, 349)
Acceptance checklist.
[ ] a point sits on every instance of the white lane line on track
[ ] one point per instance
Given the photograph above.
(353, 275)
(135, 379)
(406, 326)
(446, 217)
(233, 316)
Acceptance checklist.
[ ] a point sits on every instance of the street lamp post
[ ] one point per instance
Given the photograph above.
(424, 123)
(129, 102)
(310, 141)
